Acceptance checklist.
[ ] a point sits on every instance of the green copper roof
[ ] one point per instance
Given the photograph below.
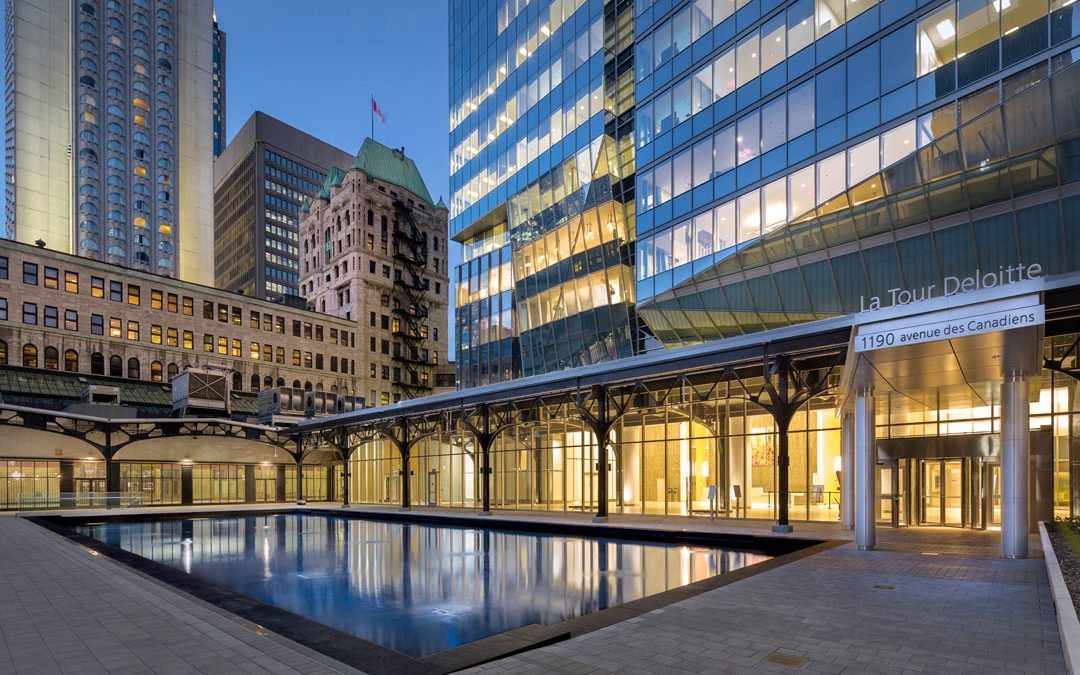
(306, 206)
(333, 179)
(392, 166)
(441, 205)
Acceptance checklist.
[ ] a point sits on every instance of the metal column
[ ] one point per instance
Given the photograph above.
(847, 471)
(1015, 467)
(865, 467)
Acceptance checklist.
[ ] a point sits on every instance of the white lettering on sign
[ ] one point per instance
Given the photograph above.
(1005, 275)
(951, 323)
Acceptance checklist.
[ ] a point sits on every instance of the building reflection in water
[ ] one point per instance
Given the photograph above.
(417, 589)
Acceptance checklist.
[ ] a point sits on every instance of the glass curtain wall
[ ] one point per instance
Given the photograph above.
(31, 478)
(158, 483)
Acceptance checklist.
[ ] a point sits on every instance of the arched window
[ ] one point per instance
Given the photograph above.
(97, 364)
(116, 366)
(237, 381)
(71, 361)
(280, 380)
(268, 382)
(307, 386)
(3, 353)
(29, 356)
(296, 384)
(164, 64)
(133, 368)
(172, 371)
(370, 217)
(318, 386)
(333, 389)
(155, 371)
(255, 382)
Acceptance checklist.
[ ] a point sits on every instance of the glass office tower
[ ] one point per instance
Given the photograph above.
(541, 142)
(796, 157)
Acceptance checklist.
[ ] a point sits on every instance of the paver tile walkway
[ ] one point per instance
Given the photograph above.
(931, 602)
(64, 609)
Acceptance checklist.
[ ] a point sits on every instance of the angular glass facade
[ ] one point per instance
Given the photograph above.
(793, 159)
(542, 184)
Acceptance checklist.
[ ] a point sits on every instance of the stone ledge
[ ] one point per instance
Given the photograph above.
(1068, 624)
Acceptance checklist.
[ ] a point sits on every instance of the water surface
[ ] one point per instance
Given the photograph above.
(417, 589)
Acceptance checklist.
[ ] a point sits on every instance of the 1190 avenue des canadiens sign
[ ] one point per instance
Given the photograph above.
(954, 322)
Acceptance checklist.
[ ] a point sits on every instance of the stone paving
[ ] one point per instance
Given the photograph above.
(931, 601)
(66, 610)
(928, 601)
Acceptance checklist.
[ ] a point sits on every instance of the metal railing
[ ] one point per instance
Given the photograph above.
(81, 500)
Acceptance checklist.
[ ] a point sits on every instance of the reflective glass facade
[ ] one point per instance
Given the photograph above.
(796, 157)
(541, 184)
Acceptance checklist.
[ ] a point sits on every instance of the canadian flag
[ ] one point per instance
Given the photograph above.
(375, 109)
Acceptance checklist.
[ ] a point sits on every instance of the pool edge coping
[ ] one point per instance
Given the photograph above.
(365, 655)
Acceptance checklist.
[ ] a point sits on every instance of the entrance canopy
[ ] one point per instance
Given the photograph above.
(948, 351)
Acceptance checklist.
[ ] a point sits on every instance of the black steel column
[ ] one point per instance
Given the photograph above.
(783, 458)
(249, 483)
(300, 480)
(404, 446)
(600, 430)
(187, 485)
(279, 484)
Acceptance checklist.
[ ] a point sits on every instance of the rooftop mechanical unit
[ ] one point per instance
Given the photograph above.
(202, 391)
(287, 405)
(100, 393)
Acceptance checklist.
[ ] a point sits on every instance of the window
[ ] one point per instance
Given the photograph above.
(71, 320)
(30, 273)
(97, 363)
(223, 346)
(97, 324)
(171, 302)
(188, 306)
(52, 278)
(71, 361)
(3, 267)
(223, 313)
(155, 371)
(133, 331)
(237, 316)
(116, 291)
(116, 329)
(156, 299)
(3, 309)
(97, 287)
(134, 294)
(189, 340)
(116, 366)
(71, 282)
(30, 356)
(29, 313)
(155, 334)
(133, 368)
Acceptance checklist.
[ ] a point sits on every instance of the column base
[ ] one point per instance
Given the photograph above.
(864, 547)
(300, 502)
(600, 519)
(484, 513)
(404, 508)
(783, 529)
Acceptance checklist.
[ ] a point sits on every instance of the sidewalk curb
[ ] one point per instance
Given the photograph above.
(1068, 624)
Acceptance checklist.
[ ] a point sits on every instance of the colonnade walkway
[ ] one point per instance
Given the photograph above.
(927, 600)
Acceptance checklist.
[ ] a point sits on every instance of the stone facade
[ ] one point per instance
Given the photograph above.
(62, 312)
(373, 250)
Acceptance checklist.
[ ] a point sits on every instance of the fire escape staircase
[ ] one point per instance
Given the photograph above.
(410, 301)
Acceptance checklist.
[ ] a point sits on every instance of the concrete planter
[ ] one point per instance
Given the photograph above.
(1068, 624)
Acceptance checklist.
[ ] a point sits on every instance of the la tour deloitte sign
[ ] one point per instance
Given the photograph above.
(952, 322)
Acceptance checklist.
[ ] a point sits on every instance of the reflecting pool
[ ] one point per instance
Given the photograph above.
(417, 589)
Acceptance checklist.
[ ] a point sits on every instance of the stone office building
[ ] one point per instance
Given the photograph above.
(63, 313)
(373, 250)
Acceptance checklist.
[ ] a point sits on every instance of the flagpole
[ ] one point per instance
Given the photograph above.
(372, 113)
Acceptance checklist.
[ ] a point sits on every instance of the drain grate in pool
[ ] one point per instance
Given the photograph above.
(883, 587)
(785, 659)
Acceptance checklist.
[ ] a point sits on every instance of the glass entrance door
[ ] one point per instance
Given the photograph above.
(941, 492)
(930, 491)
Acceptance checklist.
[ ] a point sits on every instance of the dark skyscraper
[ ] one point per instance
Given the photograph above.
(260, 181)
